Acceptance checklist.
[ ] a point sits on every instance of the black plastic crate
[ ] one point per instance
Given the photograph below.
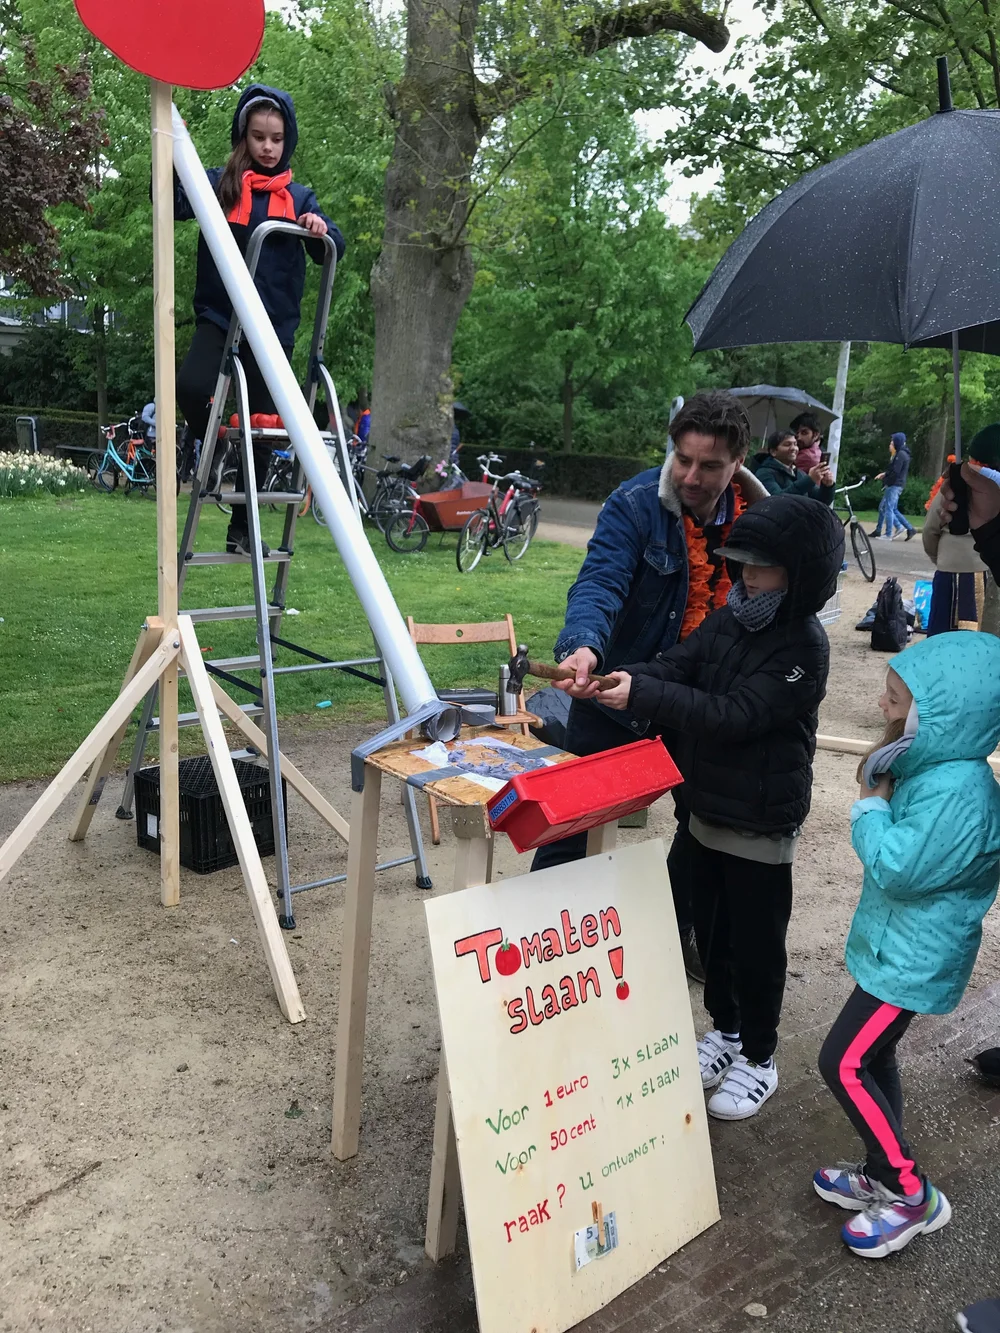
(206, 843)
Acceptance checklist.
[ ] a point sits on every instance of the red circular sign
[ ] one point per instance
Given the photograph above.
(185, 42)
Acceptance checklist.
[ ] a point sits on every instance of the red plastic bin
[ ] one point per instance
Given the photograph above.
(579, 794)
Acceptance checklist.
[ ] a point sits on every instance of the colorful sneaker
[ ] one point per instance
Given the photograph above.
(845, 1185)
(715, 1055)
(889, 1223)
(983, 1317)
(744, 1090)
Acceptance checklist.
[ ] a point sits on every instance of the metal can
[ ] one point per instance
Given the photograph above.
(507, 701)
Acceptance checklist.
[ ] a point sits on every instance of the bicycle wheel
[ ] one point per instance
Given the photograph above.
(519, 527)
(863, 552)
(106, 475)
(407, 532)
(386, 505)
(318, 514)
(472, 541)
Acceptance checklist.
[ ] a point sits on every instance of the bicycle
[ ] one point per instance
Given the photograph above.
(860, 542)
(509, 523)
(138, 465)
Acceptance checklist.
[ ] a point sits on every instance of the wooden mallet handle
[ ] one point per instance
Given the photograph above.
(523, 665)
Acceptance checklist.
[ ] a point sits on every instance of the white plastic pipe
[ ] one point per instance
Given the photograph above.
(387, 624)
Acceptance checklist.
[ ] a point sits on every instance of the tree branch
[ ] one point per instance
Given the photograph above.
(646, 18)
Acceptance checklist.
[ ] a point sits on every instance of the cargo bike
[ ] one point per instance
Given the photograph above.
(500, 512)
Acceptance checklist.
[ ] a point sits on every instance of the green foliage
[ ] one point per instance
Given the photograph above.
(330, 58)
(572, 336)
(54, 365)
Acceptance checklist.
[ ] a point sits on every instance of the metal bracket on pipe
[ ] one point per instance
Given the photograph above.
(439, 721)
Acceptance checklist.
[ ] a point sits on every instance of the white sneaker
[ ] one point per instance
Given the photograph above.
(745, 1089)
(715, 1056)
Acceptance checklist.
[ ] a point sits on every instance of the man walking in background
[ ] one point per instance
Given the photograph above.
(893, 480)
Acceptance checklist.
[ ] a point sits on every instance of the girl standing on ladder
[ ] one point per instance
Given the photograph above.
(254, 186)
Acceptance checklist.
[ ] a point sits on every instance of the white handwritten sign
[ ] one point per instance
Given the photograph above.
(578, 1108)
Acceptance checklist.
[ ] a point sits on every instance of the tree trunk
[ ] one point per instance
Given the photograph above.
(101, 363)
(424, 273)
(567, 399)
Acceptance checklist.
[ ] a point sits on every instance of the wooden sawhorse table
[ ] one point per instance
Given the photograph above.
(473, 866)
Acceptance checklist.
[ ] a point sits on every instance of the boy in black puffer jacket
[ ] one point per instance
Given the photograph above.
(743, 693)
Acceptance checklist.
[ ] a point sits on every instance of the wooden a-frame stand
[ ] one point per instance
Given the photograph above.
(167, 643)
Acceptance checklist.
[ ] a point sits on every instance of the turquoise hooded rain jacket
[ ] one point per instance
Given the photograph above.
(932, 852)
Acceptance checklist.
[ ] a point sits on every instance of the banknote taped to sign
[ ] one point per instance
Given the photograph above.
(579, 1114)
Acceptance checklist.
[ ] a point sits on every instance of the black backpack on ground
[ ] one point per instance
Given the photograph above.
(889, 629)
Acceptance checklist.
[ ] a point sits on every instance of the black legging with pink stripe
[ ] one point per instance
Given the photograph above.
(858, 1062)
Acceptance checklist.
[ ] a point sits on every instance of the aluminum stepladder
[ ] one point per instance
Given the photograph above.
(268, 610)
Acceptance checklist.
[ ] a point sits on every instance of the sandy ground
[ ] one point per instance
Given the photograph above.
(164, 1134)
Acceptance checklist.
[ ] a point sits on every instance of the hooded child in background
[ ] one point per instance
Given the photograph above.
(740, 697)
(254, 186)
(927, 831)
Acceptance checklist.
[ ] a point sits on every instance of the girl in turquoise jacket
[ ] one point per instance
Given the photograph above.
(927, 831)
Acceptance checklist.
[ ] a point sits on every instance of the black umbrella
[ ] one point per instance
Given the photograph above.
(895, 242)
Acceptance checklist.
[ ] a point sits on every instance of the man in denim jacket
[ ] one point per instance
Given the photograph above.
(630, 598)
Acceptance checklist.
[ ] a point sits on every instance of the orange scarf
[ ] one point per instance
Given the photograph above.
(937, 485)
(280, 204)
(708, 581)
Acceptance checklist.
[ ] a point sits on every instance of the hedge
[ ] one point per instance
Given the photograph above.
(571, 476)
(54, 428)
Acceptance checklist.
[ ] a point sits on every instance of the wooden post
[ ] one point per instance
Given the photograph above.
(166, 477)
(149, 640)
(359, 899)
(261, 904)
(473, 865)
(603, 838)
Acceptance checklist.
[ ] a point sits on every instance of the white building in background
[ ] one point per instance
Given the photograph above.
(15, 323)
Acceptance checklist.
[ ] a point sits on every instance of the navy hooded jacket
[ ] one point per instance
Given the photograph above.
(281, 272)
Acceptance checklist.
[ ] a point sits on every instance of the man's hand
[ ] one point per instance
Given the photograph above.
(618, 697)
(879, 476)
(584, 663)
(984, 496)
(883, 788)
(313, 224)
(820, 475)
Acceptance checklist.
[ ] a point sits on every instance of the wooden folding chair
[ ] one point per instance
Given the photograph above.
(488, 631)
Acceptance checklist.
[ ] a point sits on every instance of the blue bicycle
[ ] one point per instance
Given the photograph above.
(137, 465)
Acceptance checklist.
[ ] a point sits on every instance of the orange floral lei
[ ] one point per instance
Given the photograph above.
(708, 581)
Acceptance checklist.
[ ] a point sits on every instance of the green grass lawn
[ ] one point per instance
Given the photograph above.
(78, 577)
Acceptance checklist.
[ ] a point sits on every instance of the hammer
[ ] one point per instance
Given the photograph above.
(521, 665)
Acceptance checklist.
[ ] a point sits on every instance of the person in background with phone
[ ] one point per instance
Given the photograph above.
(809, 438)
(776, 471)
(893, 480)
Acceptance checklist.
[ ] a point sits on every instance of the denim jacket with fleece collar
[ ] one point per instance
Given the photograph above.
(627, 603)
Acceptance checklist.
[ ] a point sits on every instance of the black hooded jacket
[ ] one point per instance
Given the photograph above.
(281, 273)
(743, 706)
(899, 468)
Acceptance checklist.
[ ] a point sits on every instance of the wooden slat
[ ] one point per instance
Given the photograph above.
(85, 755)
(149, 639)
(473, 865)
(261, 903)
(295, 779)
(359, 898)
(487, 631)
